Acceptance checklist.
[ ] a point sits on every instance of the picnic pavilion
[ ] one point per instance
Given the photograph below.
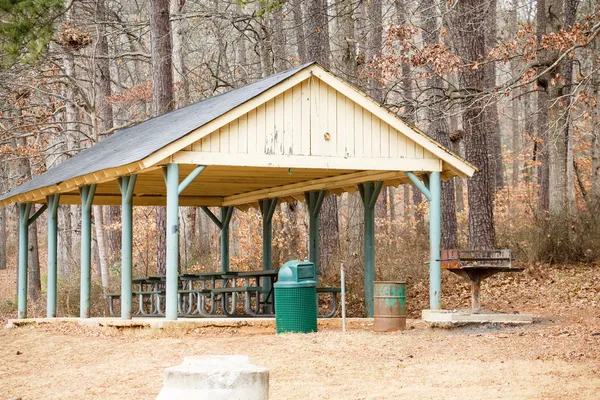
(299, 134)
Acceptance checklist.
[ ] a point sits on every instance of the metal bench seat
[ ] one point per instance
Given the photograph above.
(228, 293)
(334, 291)
(237, 289)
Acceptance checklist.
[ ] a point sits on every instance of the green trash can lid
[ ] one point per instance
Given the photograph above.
(295, 274)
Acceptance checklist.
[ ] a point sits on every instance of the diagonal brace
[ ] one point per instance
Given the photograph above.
(35, 216)
(418, 183)
(126, 185)
(212, 216)
(267, 208)
(190, 178)
(87, 196)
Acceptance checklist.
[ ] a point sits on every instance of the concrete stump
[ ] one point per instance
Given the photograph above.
(215, 378)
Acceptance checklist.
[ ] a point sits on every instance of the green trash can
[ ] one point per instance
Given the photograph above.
(296, 297)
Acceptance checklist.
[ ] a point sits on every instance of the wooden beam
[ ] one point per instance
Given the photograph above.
(115, 200)
(336, 182)
(316, 162)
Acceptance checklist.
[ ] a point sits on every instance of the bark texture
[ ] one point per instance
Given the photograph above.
(162, 98)
(469, 24)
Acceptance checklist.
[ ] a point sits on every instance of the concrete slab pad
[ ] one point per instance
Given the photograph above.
(455, 318)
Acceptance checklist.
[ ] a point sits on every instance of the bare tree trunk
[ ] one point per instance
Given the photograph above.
(317, 38)
(102, 258)
(2, 238)
(375, 16)
(345, 39)
(162, 98)
(317, 32)
(280, 59)
(595, 192)
(470, 43)
(557, 113)
(299, 29)
(34, 286)
(494, 142)
(570, 10)
(438, 126)
(3, 232)
(542, 120)
(516, 103)
(70, 241)
(106, 123)
(407, 199)
(180, 26)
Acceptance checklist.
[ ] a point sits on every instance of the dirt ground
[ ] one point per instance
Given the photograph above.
(556, 357)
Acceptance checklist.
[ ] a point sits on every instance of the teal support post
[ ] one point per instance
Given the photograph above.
(52, 202)
(314, 200)
(223, 225)
(87, 197)
(369, 192)
(226, 213)
(435, 237)
(267, 209)
(172, 240)
(24, 210)
(126, 185)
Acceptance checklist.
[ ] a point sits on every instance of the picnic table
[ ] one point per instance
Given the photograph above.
(213, 294)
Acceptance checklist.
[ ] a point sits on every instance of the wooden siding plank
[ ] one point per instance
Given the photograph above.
(270, 127)
(419, 151)
(306, 118)
(410, 148)
(359, 145)
(376, 136)
(393, 142)
(367, 134)
(234, 136)
(342, 123)
(349, 129)
(278, 131)
(315, 107)
(385, 139)
(261, 128)
(215, 141)
(331, 139)
(288, 122)
(243, 134)
(297, 120)
(251, 126)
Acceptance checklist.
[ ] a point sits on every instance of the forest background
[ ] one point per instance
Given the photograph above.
(512, 86)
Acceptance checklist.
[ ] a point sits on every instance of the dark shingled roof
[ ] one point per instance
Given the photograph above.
(139, 141)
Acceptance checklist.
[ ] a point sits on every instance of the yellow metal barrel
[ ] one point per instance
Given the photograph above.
(390, 306)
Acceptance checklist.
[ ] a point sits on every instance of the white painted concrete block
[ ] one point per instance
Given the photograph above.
(215, 378)
(448, 318)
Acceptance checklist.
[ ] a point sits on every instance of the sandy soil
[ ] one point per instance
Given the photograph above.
(550, 359)
(556, 357)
